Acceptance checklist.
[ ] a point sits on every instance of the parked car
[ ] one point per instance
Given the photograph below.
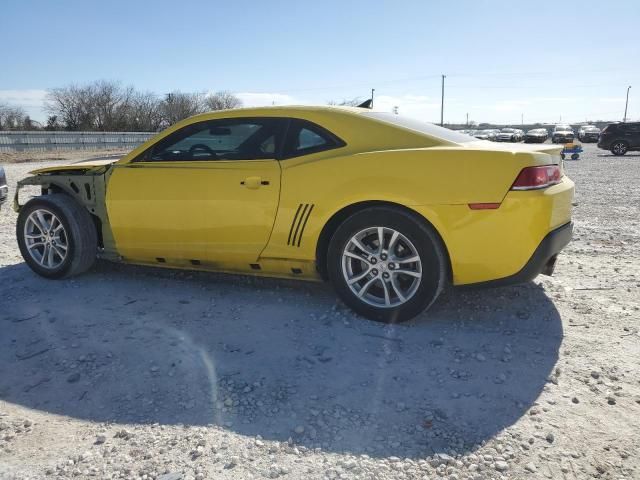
(509, 135)
(493, 133)
(4, 189)
(588, 133)
(620, 138)
(536, 135)
(255, 191)
(485, 135)
(562, 134)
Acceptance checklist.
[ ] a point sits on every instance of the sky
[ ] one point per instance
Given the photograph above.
(504, 61)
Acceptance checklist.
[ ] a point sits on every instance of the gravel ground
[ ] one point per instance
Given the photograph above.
(129, 372)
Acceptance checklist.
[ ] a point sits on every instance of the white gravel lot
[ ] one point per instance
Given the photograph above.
(130, 372)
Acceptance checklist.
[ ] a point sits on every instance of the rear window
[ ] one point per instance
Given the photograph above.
(421, 127)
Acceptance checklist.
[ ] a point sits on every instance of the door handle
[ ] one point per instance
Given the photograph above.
(254, 182)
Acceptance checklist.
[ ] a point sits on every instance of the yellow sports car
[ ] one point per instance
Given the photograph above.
(389, 209)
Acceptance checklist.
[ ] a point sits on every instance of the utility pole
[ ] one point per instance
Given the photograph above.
(372, 92)
(522, 119)
(626, 104)
(467, 119)
(442, 103)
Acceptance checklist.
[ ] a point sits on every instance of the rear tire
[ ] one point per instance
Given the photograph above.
(379, 282)
(619, 148)
(56, 236)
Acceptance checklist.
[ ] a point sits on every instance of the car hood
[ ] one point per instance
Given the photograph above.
(81, 166)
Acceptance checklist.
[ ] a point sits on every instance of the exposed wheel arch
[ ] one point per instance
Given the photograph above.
(53, 189)
(341, 215)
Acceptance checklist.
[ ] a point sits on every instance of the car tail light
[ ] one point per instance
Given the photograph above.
(533, 178)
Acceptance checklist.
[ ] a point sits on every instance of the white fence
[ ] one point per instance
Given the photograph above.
(45, 141)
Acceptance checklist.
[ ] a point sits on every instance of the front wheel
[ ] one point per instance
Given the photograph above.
(619, 148)
(56, 236)
(387, 264)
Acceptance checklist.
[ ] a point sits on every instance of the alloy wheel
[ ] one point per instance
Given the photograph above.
(46, 239)
(619, 148)
(381, 267)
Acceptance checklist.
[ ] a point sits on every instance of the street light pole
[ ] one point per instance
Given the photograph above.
(442, 103)
(626, 104)
(372, 92)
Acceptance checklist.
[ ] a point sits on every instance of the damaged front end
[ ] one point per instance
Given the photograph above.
(87, 186)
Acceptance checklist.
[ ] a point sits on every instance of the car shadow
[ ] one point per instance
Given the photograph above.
(279, 359)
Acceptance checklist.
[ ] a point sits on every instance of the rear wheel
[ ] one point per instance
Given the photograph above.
(619, 148)
(56, 236)
(386, 264)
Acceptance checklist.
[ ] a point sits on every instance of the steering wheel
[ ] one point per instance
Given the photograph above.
(202, 146)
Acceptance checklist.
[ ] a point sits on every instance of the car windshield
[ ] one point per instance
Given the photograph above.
(508, 130)
(421, 127)
(563, 128)
(537, 130)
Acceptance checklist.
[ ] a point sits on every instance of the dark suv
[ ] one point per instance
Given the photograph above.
(620, 137)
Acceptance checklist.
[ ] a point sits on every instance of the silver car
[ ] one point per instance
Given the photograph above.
(589, 133)
(509, 135)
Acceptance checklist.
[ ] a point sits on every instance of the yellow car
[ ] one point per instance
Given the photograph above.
(387, 208)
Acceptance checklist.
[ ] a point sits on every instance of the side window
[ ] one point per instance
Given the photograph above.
(309, 139)
(232, 139)
(304, 138)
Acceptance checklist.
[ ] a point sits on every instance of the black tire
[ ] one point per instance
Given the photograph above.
(423, 237)
(80, 233)
(619, 148)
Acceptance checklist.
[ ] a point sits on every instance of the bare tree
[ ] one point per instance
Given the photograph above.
(222, 100)
(107, 106)
(144, 113)
(101, 105)
(12, 117)
(177, 106)
(72, 105)
(52, 123)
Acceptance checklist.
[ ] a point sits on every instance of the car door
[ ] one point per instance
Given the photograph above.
(207, 193)
(632, 133)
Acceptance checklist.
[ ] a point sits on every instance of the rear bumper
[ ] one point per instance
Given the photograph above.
(590, 138)
(488, 245)
(542, 261)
